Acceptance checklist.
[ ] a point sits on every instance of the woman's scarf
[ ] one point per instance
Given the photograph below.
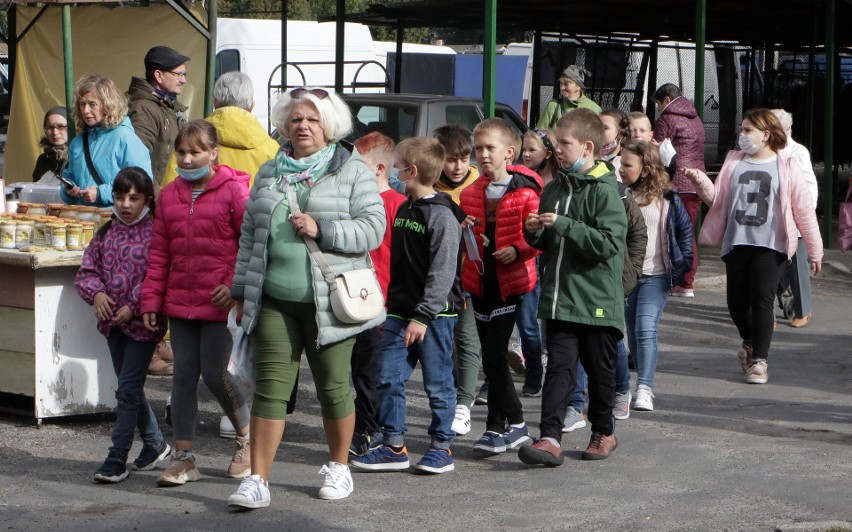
(291, 171)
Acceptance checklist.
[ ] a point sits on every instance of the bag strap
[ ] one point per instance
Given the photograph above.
(95, 175)
(848, 194)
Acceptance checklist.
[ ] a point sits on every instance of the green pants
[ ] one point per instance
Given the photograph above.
(283, 330)
(466, 359)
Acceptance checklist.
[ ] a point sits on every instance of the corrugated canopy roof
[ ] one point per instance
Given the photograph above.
(753, 22)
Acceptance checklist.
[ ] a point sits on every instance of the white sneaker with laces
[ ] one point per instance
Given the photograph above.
(226, 429)
(338, 482)
(252, 493)
(461, 423)
(621, 410)
(644, 399)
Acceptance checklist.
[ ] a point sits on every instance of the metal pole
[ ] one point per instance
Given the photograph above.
(652, 79)
(397, 66)
(69, 66)
(828, 134)
(700, 43)
(534, 107)
(340, 44)
(811, 93)
(489, 58)
(284, 9)
(212, 16)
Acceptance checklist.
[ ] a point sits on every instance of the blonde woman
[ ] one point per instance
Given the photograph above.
(100, 115)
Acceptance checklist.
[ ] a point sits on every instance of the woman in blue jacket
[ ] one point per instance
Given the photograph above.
(100, 114)
(668, 257)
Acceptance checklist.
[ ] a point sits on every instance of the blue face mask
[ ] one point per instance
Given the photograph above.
(574, 168)
(394, 174)
(193, 174)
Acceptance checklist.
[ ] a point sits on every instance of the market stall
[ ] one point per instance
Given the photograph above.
(54, 362)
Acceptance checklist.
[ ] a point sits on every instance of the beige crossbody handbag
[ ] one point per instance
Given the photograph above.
(355, 295)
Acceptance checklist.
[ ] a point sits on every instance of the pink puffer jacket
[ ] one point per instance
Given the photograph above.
(194, 248)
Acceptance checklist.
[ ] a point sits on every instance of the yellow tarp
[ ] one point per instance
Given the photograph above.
(109, 42)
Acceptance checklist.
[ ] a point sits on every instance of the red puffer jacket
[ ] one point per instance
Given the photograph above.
(520, 199)
(679, 123)
(194, 248)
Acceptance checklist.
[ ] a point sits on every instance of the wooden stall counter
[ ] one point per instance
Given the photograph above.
(54, 361)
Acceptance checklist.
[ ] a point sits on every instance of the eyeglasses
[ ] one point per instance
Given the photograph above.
(179, 75)
(298, 92)
(542, 136)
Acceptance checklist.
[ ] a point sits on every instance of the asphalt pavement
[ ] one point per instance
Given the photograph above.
(715, 454)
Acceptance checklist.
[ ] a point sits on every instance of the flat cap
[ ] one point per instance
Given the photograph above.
(163, 58)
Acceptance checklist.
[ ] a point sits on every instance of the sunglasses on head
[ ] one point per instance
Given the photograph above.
(298, 92)
(542, 136)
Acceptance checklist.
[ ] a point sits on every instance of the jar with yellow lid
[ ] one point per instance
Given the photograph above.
(58, 237)
(68, 212)
(7, 233)
(39, 236)
(104, 215)
(87, 214)
(74, 237)
(37, 209)
(88, 234)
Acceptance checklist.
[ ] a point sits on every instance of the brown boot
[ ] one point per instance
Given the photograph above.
(600, 446)
(159, 367)
(241, 462)
(164, 351)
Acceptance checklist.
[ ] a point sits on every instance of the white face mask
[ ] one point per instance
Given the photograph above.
(749, 144)
(142, 216)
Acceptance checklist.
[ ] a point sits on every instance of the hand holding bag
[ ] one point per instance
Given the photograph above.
(355, 295)
(844, 222)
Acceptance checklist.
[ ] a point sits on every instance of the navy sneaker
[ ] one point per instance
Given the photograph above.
(491, 442)
(112, 471)
(436, 461)
(382, 459)
(360, 444)
(376, 440)
(149, 456)
(516, 436)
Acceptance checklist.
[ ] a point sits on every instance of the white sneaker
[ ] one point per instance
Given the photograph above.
(573, 420)
(338, 482)
(461, 423)
(226, 428)
(621, 410)
(252, 493)
(644, 399)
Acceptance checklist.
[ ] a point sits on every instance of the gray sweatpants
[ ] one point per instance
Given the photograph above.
(202, 348)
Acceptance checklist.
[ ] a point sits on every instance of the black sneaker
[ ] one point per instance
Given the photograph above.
(482, 396)
(112, 471)
(149, 457)
(360, 444)
(168, 416)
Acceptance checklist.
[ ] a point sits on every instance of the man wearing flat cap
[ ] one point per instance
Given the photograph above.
(570, 97)
(154, 110)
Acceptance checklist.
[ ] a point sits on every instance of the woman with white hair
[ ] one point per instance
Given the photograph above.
(280, 291)
(797, 274)
(571, 96)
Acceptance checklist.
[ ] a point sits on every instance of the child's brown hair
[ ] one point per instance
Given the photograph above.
(498, 125)
(426, 153)
(656, 182)
(455, 139)
(585, 126)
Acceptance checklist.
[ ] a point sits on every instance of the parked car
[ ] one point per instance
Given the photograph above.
(402, 116)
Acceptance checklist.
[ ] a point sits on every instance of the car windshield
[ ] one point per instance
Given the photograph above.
(396, 120)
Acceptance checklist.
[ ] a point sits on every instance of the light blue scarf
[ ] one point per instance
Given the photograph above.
(291, 171)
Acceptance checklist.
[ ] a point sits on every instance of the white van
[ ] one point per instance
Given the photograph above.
(254, 48)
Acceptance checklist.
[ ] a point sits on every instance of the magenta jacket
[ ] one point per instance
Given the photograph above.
(795, 202)
(679, 123)
(115, 264)
(194, 247)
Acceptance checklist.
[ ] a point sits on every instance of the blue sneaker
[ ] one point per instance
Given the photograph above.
(382, 459)
(376, 440)
(112, 471)
(491, 442)
(360, 444)
(516, 436)
(436, 461)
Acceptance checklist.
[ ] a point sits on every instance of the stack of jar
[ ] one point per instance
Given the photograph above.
(55, 225)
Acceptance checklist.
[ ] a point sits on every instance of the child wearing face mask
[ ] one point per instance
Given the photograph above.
(758, 202)
(615, 124)
(190, 270)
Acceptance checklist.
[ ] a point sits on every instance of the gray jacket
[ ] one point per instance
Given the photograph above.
(351, 217)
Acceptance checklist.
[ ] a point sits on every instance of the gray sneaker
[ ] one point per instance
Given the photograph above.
(573, 420)
(621, 410)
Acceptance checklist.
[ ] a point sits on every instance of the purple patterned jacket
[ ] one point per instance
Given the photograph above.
(115, 264)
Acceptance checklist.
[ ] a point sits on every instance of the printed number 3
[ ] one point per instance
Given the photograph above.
(760, 198)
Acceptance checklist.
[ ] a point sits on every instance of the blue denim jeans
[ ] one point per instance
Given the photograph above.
(641, 314)
(396, 364)
(130, 361)
(527, 322)
(622, 379)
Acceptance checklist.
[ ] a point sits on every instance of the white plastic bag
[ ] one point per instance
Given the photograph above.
(667, 152)
(241, 365)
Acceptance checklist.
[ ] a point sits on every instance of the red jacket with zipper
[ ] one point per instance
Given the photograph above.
(194, 247)
(521, 198)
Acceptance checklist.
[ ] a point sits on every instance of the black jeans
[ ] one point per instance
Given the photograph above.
(365, 367)
(753, 274)
(597, 348)
(495, 320)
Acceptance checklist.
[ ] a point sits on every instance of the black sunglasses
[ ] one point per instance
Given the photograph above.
(298, 92)
(542, 136)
